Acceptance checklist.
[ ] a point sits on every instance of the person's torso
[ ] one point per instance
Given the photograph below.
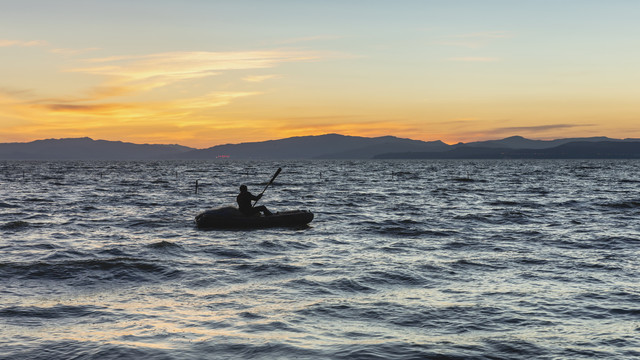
(244, 200)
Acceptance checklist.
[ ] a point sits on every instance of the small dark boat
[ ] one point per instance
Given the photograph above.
(230, 217)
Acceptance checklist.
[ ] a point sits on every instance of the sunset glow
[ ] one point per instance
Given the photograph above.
(206, 73)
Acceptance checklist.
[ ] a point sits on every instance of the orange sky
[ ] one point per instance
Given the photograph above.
(201, 74)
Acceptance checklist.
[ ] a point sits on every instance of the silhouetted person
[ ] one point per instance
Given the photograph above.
(244, 200)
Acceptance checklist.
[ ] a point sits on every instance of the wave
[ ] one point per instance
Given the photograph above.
(526, 204)
(152, 222)
(402, 228)
(349, 285)
(162, 245)
(270, 269)
(8, 206)
(396, 278)
(627, 204)
(476, 218)
(466, 179)
(90, 270)
(309, 287)
(504, 202)
(69, 349)
(505, 217)
(15, 225)
(38, 200)
(277, 326)
(54, 312)
(399, 350)
(232, 349)
(405, 175)
(470, 265)
(227, 253)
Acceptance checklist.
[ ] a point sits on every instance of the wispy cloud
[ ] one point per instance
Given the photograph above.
(147, 72)
(214, 99)
(7, 43)
(190, 64)
(467, 130)
(92, 108)
(181, 107)
(259, 78)
(533, 129)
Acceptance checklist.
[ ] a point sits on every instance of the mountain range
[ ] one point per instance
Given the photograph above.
(329, 146)
(87, 149)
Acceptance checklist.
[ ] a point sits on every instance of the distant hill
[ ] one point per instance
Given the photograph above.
(87, 149)
(627, 149)
(329, 146)
(519, 142)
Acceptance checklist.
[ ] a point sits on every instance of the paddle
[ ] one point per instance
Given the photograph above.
(270, 182)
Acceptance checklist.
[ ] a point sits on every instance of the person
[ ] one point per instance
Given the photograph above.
(244, 203)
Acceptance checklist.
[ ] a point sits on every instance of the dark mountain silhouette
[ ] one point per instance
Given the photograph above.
(330, 146)
(87, 149)
(519, 142)
(621, 149)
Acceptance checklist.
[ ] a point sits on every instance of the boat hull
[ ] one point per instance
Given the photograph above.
(232, 218)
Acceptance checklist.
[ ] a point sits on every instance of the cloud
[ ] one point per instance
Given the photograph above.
(214, 99)
(135, 74)
(14, 92)
(7, 43)
(131, 75)
(170, 67)
(473, 129)
(106, 91)
(260, 78)
(539, 128)
(94, 109)
(187, 111)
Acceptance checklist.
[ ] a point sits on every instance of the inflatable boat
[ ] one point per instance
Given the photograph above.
(231, 218)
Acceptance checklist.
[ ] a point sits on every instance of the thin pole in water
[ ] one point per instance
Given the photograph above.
(196, 187)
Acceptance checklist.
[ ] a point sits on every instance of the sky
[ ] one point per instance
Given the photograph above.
(206, 72)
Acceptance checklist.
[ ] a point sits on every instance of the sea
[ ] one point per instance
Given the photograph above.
(420, 259)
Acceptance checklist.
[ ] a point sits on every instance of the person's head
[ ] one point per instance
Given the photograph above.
(243, 188)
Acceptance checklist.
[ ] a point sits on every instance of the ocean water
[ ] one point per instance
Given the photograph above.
(404, 260)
